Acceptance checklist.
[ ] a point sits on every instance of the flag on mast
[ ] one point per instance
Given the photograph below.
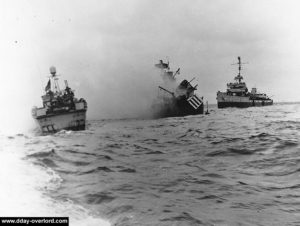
(48, 86)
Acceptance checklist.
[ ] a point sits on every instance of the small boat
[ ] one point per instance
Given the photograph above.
(61, 110)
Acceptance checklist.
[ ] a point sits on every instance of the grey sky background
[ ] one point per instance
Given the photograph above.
(106, 50)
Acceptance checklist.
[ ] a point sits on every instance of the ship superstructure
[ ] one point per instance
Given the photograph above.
(176, 99)
(60, 110)
(237, 94)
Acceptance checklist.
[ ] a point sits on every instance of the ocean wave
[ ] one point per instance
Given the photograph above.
(26, 192)
(98, 198)
(97, 169)
(234, 151)
(187, 219)
(233, 167)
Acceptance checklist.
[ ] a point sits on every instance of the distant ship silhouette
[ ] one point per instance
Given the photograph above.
(237, 94)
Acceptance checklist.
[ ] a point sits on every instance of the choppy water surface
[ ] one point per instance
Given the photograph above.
(232, 167)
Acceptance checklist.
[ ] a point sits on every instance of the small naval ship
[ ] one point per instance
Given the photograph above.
(61, 110)
(176, 99)
(237, 94)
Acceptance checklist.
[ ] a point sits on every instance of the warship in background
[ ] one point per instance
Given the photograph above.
(176, 100)
(61, 110)
(237, 94)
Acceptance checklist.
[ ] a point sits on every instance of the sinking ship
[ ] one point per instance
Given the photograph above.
(237, 94)
(61, 110)
(176, 99)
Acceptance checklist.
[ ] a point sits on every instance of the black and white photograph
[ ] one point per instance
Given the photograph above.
(150, 112)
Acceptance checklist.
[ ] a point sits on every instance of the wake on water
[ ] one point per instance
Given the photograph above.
(25, 187)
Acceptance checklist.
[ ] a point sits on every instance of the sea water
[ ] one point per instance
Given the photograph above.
(231, 167)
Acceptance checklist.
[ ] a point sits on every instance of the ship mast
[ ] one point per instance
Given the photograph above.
(239, 78)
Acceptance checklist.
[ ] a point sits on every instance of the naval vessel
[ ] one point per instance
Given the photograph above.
(176, 99)
(61, 110)
(237, 94)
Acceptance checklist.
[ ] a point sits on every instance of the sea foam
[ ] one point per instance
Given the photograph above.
(24, 188)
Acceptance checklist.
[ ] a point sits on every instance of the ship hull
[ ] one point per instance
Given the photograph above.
(225, 101)
(175, 108)
(52, 123)
(257, 103)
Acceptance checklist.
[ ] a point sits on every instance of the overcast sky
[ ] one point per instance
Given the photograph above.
(107, 48)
